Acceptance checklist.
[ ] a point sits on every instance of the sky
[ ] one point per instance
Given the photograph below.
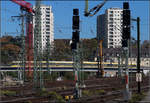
(63, 12)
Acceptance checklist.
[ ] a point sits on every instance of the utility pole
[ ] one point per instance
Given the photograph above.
(138, 75)
(48, 53)
(138, 57)
(0, 46)
(119, 69)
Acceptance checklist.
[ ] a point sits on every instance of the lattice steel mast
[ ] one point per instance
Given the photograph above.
(37, 46)
(48, 53)
(23, 51)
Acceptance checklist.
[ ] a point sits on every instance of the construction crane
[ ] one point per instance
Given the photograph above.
(94, 9)
(91, 13)
(27, 7)
(101, 69)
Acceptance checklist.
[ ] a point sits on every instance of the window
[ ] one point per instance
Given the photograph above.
(47, 15)
(111, 11)
(47, 8)
(111, 32)
(47, 12)
(110, 25)
(47, 22)
(111, 36)
(47, 19)
(110, 18)
(110, 15)
(110, 46)
(110, 22)
(47, 29)
(111, 29)
(47, 25)
(111, 40)
(111, 43)
(47, 36)
(47, 32)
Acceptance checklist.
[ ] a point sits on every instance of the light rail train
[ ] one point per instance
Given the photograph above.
(86, 64)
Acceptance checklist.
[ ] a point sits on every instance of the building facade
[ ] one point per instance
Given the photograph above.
(109, 27)
(47, 26)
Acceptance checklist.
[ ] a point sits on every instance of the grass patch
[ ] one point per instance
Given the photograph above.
(56, 97)
(95, 92)
(52, 95)
(8, 93)
(136, 97)
(99, 92)
(87, 93)
(42, 92)
(29, 101)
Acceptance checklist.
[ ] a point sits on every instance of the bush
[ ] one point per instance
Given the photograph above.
(52, 95)
(69, 76)
(55, 96)
(100, 92)
(87, 93)
(13, 74)
(42, 92)
(137, 97)
(85, 75)
(8, 93)
(29, 101)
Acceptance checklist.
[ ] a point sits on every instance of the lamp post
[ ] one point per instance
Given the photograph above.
(138, 56)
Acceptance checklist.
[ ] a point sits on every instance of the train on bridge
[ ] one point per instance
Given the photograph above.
(64, 66)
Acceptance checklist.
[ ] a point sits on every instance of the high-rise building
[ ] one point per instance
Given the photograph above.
(109, 27)
(47, 25)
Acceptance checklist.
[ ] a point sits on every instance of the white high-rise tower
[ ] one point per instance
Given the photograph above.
(47, 25)
(109, 27)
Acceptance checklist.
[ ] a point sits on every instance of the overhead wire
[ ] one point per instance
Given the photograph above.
(94, 9)
(6, 20)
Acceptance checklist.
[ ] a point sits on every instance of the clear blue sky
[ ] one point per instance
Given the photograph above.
(63, 11)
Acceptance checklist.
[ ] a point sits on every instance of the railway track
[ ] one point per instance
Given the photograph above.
(109, 85)
(96, 98)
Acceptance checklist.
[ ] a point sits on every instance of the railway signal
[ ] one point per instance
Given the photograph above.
(76, 52)
(125, 45)
(126, 24)
(75, 27)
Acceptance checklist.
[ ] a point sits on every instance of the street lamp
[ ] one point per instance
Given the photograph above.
(138, 56)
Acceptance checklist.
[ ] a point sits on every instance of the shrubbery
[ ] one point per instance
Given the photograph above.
(52, 95)
(137, 97)
(8, 93)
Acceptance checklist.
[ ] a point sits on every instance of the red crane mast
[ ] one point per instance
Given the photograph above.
(26, 6)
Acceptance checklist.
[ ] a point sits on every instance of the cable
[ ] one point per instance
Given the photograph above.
(8, 11)
(94, 9)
